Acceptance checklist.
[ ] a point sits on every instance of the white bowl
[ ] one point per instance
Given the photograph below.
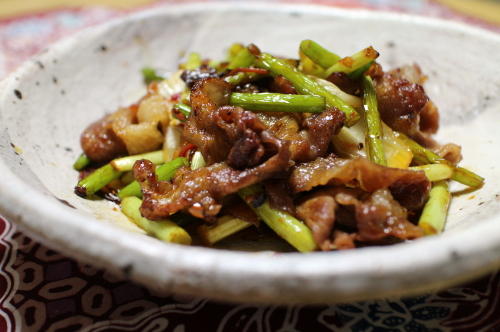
(45, 105)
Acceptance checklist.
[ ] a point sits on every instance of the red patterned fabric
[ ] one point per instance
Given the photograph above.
(42, 290)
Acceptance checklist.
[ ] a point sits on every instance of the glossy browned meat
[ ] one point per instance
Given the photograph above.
(280, 84)
(100, 143)
(318, 212)
(380, 216)
(279, 196)
(309, 137)
(400, 102)
(342, 240)
(412, 187)
(200, 192)
(224, 133)
(451, 152)
(345, 83)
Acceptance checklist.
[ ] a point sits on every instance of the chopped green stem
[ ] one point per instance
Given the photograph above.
(433, 217)
(164, 230)
(360, 71)
(318, 54)
(424, 156)
(352, 63)
(197, 161)
(163, 173)
(183, 108)
(467, 177)
(278, 102)
(233, 50)
(149, 75)
(193, 61)
(223, 228)
(435, 172)
(242, 78)
(126, 163)
(306, 85)
(96, 181)
(82, 162)
(286, 226)
(243, 59)
(374, 128)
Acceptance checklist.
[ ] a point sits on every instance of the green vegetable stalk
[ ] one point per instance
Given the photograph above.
(433, 217)
(277, 102)
(164, 230)
(318, 54)
(163, 173)
(286, 226)
(306, 85)
(374, 142)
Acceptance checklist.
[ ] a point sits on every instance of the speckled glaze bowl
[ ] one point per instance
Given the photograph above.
(47, 103)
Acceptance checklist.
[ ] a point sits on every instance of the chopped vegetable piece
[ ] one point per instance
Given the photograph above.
(96, 181)
(242, 78)
(352, 63)
(221, 229)
(278, 102)
(435, 172)
(433, 217)
(306, 85)
(126, 163)
(422, 156)
(193, 61)
(360, 71)
(374, 128)
(164, 230)
(286, 226)
(318, 54)
(198, 161)
(149, 75)
(243, 59)
(82, 162)
(164, 173)
(183, 108)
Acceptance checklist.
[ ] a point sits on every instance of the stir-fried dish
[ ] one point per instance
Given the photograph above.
(328, 152)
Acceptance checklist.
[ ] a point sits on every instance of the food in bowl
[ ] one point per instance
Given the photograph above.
(329, 152)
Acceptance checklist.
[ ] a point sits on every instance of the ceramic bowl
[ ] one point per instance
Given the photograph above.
(46, 104)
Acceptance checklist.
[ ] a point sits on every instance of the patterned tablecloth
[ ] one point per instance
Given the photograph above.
(42, 290)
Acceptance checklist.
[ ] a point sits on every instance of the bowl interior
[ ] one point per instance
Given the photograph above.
(47, 104)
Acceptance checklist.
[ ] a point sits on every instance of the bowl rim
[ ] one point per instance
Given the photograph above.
(269, 277)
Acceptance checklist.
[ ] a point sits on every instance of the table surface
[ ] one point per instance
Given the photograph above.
(42, 290)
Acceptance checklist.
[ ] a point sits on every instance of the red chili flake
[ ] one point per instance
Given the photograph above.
(175, 97)
(185, 149)
(178, 115)
(249, 70)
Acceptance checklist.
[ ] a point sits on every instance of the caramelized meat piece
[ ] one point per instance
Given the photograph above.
(400, 102)
(318, 212)
(200, 192)
(362, 173)
(380, 216)
(191, 76)
(100, 143)
(451, 152)
(234, 206)
(312, 137)
(342, 240)
(224, 133)
(280, 84)
(345, 83)
(429, 118)
(278, 193)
